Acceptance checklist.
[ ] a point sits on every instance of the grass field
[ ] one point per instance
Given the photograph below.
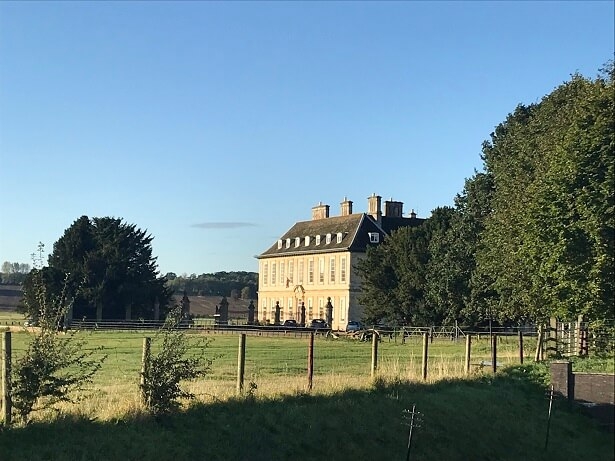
(287, 356)
(347, 415)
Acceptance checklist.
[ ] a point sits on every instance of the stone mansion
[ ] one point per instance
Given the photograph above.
(315, 260)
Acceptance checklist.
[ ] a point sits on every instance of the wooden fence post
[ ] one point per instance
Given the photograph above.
(494, 353)
(145, 360)
(538, 354)
(520, 347)
(241, 362)
(6, 377)
(425, 349)
(310, 361)
(374, 353)
(468, 349)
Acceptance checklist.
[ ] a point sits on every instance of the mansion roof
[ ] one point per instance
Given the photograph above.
(352, 232)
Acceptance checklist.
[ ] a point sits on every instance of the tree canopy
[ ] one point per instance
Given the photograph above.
(109, 270)
(548, 244)
(217, 283)
(531, 236)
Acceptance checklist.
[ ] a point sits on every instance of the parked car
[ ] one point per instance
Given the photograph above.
(353, 326)
(319, 324)
(290, 323)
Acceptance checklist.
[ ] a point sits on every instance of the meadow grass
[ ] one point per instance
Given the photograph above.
(485, 417)
(286, 357)
(274, 366)
(348, 415)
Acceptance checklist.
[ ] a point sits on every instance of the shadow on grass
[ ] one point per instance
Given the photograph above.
(484, 418)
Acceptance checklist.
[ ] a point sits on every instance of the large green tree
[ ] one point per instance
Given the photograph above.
(394, 274)
(453, 289)
(530, 237)
(548, 244)
(109, 268)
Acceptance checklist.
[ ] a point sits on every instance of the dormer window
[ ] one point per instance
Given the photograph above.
(318, 240)
(374, 237)
(307, 241)
(279, 244)
(288, 243)
(339, 237)
(297, 241)
(328, 239)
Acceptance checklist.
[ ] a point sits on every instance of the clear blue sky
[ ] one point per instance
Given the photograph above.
(217, 125)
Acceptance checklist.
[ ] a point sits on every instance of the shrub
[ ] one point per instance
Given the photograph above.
(164, 372)
(55, 364)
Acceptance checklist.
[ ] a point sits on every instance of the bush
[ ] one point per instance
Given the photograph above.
(164, 372)
(55, 364)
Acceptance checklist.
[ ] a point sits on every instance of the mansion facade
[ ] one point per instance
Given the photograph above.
(314, 262)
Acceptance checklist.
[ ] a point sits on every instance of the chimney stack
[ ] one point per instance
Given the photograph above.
(373, 207)
(393, 209)
(346, 207)
(320, 211)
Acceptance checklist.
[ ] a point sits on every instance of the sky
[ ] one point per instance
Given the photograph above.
(216, 126)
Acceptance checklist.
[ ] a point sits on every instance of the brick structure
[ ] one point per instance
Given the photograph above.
(595, 389)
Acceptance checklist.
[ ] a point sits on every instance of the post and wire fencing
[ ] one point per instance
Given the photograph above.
(281, 364)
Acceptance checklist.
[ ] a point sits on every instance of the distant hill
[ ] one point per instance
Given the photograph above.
(10, 295)
(200, 306)
(205, 306)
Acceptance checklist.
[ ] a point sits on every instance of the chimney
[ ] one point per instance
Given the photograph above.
(373, 207)
(320, 211)
(412, 214)
(346, 207)
(393, 209)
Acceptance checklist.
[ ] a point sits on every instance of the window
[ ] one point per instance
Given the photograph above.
(342, 308)
(282, 270)
(307, 241)
(287, 243)
(290, 304)
(310, 308)
(374, 237)
(273, 273)
(311, 271)
(328, 239)
(300, 272)
(321, 270)
(321, 308)
(265, 273)
(290, 271)
(343, 270)
(332, 270)
(297, 241)
(339, 237)
(318, 240)
(279, 244)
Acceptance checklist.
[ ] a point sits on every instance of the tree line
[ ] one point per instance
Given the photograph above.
(236, 284)
(13, 273)
(529, 237)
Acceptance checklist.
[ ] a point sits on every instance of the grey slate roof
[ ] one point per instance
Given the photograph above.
(390, 224)
(355, 229)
